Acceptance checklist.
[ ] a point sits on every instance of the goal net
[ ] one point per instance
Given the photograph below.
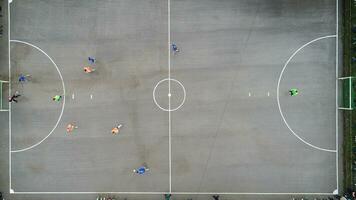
(3, 98)
(348, 88)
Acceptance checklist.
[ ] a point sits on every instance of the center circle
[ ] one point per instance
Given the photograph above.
(174, 90)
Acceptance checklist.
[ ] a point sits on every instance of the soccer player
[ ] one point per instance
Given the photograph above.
(23, 78)
(293, 92)
(71, 127)
(14, 97)
(175, 48)
(141, 170)
(116, 129)
(57, 98)
(88, 69)
(91, 60)
(167, 196)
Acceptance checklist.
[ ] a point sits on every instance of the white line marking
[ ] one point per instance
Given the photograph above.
(267, 93)
(170, 143)
(180, 193)
(1, 95)
(336, 96)
(169, 106)
(10, 130)
(64, 96)
(350, 93)
(342, 78)
(250, 193)
(279, 105)
(170, 178)
(342, 108)
(91, 96)
(73, 96)
(249, 94)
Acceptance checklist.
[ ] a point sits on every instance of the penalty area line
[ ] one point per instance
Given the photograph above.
(64, 94)
(278, 96)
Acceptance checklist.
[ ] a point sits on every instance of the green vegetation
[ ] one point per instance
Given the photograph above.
(349, 36)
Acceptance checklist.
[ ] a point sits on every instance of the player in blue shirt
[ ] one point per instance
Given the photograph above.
(23, 78)
(141, 170)
(91, 60)
(175, 48)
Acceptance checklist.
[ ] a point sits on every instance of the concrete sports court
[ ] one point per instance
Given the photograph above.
(215, 117)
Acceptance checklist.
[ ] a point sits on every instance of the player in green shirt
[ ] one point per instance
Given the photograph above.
(167, 196)
(57, 98)
(293, 92)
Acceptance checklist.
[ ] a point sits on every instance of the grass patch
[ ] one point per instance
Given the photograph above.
(348, 38)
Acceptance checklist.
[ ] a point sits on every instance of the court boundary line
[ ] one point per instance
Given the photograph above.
(183, 193)
(170, 166)
(64, 98)
(336, 96)
(9, 60)
(278, 101)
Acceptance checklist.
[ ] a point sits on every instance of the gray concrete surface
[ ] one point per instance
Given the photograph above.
(129, 43)
(234, 142)
(223, 140)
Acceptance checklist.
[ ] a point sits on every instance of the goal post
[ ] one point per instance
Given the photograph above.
(348, 87)
(2, 108)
